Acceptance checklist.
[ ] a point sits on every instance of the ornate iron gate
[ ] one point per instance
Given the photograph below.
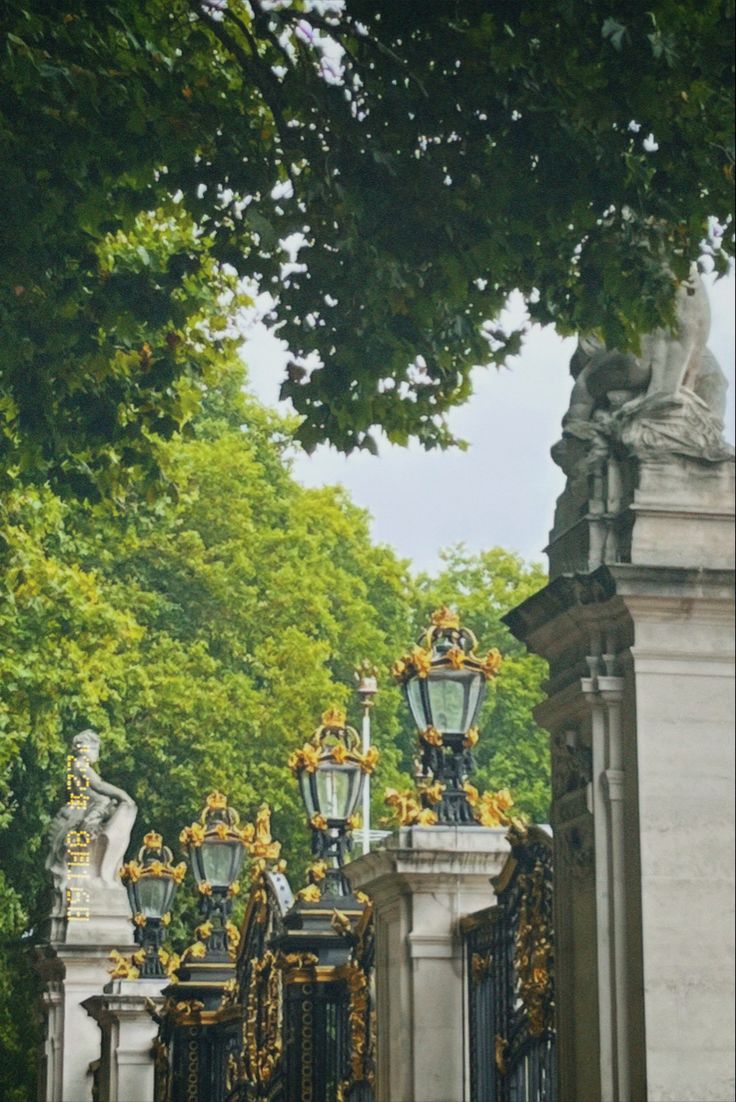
(510, 976)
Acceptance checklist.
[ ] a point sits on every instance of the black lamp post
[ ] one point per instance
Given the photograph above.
(444, 682)
(331, 770)
(216, 848)
(151, 884)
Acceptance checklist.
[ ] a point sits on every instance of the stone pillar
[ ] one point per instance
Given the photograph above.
(126, 1072)
(72, 974)
(422, 883)
(637, 627)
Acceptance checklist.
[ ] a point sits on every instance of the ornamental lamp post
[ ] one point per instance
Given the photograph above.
(216, 848)
(444, 683)
(331, 770)
(366, 680)
(151, 884)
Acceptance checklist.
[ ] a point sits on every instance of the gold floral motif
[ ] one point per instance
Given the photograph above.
(317, 871)
(354, 822)
(204, 887)
(500, 1047)
(471, 738)
(123, 968)
(138, 957)
(318, 821)
(431, 736)
(153, 840)
(369, 760)
(310, 894)
(362, 897)
(203, 931)
(130, 872)
(216, 801)
(492, 662)
(139, 919)
(492, 807)
(339, 753)
(456, 657)
(169, 962)
(407, 808)
(196, 951)
(421, 660)
(432, 793)
(192, 835)
(306, 758)
(472, 793)
(234, 889)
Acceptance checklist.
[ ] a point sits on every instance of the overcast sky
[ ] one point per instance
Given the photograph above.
(502, 490)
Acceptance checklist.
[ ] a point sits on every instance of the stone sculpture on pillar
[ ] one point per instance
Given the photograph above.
(664, 405)
(89, 918)
(88, 838)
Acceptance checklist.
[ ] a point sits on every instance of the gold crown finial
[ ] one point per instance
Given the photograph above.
(216, 801)
(333, 717)
(153, 840)
(444, 617)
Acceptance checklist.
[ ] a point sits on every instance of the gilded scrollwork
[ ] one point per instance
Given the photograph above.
(262, 1024)
(533, 952)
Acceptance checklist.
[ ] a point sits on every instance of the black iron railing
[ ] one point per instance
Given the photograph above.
(510, 980)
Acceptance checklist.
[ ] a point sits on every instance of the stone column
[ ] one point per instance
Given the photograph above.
(422, 883)
(72, 974)
(638, 630)
(128, 1031)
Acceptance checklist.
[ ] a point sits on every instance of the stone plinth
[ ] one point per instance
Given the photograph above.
(126, 1072)
(422, 883)
(72, 973)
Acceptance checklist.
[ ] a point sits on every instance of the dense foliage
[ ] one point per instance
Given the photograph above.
(202, 637)
(432, 158)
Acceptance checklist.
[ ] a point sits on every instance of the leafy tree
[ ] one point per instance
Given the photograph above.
(512, 751)
(433, 156)
(201, 636)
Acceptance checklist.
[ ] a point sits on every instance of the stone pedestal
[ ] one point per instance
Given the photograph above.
(126, 1072)
(72, 973)
(640, 710)
(422, 883)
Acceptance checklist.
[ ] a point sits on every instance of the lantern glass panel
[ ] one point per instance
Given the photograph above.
(416, 702)
(221, 862)
(307, 787)
(154, 895)
(338, 789)
(454, 699)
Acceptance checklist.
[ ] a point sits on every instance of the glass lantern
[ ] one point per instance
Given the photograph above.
(151, 882)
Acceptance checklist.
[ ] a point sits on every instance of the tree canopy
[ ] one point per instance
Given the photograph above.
(429, 158)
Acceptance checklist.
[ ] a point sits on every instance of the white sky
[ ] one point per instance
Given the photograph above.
(502, 490)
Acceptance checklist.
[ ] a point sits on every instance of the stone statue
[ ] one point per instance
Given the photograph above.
(668, 400)
(88, 837)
